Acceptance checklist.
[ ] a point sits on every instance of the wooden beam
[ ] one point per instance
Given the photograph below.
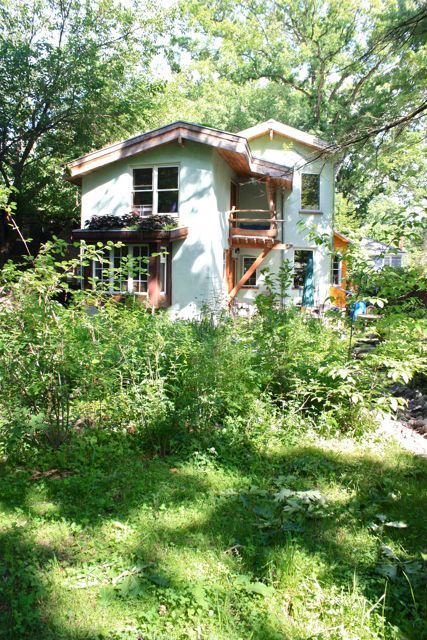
(229, 270)
(271, 192)
(245, 277)
(282, 246)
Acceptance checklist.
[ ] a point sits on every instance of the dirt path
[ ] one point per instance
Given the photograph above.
(407, 437)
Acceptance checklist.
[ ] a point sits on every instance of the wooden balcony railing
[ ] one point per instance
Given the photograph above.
(251, 229)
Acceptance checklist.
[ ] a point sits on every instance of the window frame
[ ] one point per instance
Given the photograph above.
(163, 260)
(308, 250)
(305, 209)
(336, 258)
(112, 279)
(243, 270)
(155, 190)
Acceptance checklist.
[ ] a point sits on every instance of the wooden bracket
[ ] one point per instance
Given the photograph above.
(245, 277)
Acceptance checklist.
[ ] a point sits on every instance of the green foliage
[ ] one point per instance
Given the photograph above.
(95, 365)
(315, 538)
(131, 221)
(72, 78)
(165, 478)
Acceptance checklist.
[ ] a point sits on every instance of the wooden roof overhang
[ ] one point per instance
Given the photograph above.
(232, 147)
(130, 236)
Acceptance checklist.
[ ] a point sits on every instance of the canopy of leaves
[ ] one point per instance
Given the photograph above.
(73, 76)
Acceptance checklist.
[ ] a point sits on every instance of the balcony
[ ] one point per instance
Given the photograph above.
(252, 227)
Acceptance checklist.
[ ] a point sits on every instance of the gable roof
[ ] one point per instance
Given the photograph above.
(234, 148)
(341, 237)
(288, 132)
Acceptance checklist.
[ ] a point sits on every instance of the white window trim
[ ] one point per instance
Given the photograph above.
(155, 168)
(339, 271)
(243, 271)
(110, 259)
(318, 210)
(163, 258)
(313, 250)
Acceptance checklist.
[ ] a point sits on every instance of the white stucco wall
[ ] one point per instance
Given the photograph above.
(304, 160)
(204, 199)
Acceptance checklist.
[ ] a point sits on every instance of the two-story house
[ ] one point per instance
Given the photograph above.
(233, 204)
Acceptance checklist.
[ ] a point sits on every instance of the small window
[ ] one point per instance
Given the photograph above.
(310, 190)
(392, 260)
(247, 262)
(336, 271)
(167, 187)
(156, 190)
(301, 261)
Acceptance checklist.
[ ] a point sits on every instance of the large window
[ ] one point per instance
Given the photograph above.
(301, 260)
(336, 271)
(247, 261)
(156, 190)
(122, 270)
(310, 192)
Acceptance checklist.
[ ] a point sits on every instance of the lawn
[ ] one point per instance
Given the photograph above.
(314, 539)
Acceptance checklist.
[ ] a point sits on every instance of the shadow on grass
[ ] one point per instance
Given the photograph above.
(24, 595)
(231, 527)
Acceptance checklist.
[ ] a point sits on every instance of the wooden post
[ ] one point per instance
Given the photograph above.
(153, 276)
(229, 275)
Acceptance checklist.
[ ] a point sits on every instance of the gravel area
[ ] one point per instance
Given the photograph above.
(405, 435)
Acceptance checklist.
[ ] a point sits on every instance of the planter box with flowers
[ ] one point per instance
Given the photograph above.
(132, 227)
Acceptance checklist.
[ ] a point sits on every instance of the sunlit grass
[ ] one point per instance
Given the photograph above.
(172, 550)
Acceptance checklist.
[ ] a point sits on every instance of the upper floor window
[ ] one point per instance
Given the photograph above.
(156, 190)
(310, 192)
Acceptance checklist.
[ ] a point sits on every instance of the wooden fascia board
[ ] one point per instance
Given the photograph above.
(181, 133)
(179, 124)
(304, 138)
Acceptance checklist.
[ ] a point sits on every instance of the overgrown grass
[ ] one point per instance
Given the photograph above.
(209, 544)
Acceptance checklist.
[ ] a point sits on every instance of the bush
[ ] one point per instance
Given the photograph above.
(66, 373)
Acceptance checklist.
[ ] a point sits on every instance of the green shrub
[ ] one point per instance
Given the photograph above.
(67, 374)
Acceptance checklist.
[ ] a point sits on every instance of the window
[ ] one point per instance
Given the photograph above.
(138, 276)
(156, 190)
(247, 261)
(392, 260)
(123, 270)
(336, 270)
(389, 260)
(310, 190)
(301, 261)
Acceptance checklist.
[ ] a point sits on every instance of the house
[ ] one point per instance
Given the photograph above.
(381, 254)
(339, 283)
(232, 204)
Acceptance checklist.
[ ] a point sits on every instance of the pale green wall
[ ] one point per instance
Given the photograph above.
(204, 200)
(303, 160)
(204, 193)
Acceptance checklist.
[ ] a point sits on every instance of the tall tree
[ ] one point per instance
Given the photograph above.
(352, 72)
(72, 76)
